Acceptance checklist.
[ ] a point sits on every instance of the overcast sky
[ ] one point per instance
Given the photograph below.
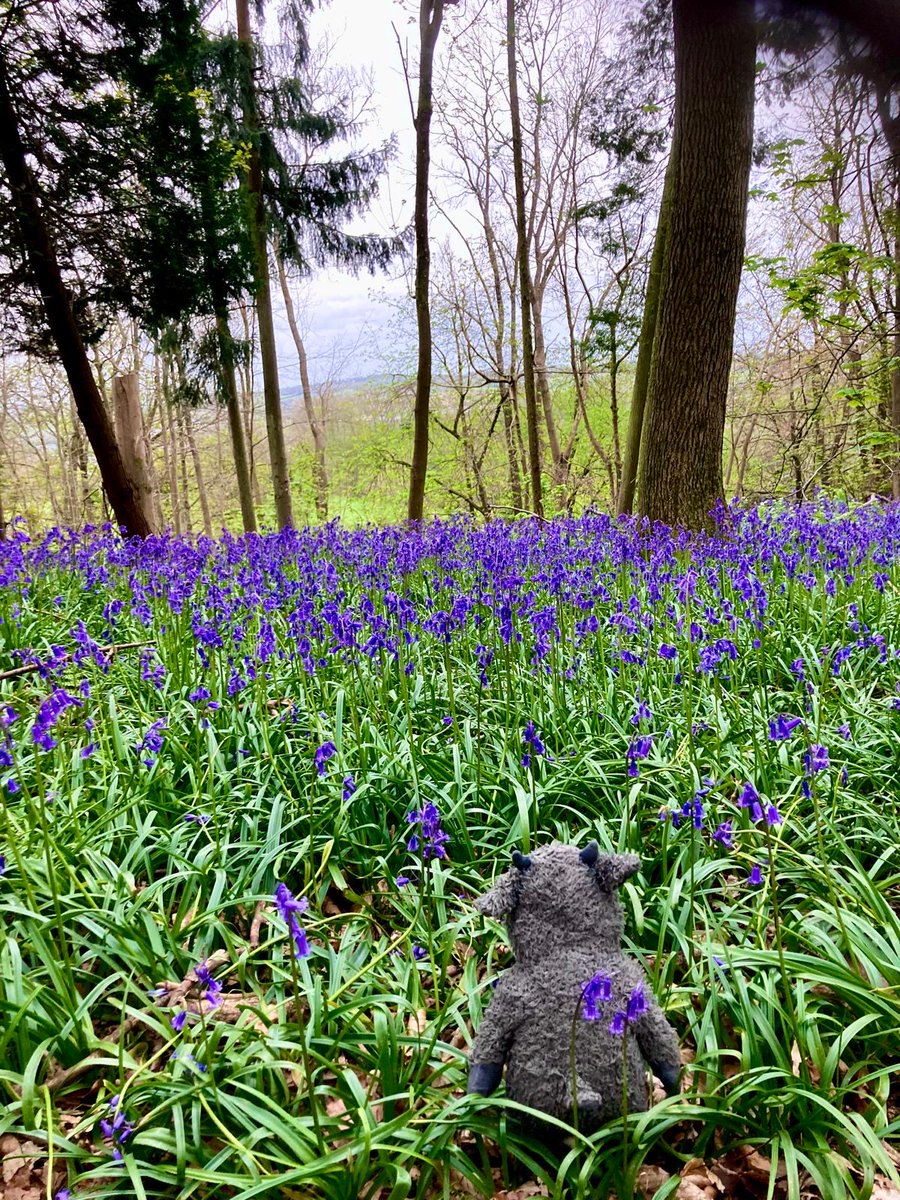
(345, 322)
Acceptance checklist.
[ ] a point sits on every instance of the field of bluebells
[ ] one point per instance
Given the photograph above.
(250, 788)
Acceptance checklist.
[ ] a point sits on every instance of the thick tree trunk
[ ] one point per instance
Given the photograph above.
(525, 289)
(281, 478)
(316, 429)
(431, 14)
(636, 418)
(40, 255)
(715, 65)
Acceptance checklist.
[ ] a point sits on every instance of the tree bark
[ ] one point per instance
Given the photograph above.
(431, 14)
(281, 478)
(316, 428)
(43, 266)
(637, 415)
(715, 57)
(228, 384)
(132, 442)
(525, 289)
(198, 473)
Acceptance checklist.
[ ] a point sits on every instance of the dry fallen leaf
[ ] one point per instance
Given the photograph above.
(650, 1179)
(884, 1189)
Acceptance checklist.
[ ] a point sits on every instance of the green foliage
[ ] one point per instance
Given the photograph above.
(341, 1074)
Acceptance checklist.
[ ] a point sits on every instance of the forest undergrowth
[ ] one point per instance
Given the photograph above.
(188, 724)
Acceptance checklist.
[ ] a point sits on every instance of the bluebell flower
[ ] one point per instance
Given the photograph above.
(617, 1025)
(638, 748)
(115, 1128)
(844, 731)
(724, 836)
(178, 1021)
(401, 881)
(642, 712)
(323, 753)
(637, 1004)
(532, 740)
(667, 652)
(816, 759)
(597, 990)
(349, 787)
(755, 878)
(2, 865)
(781, 728)
(431, 838)
(288, 907)
(418, 953)
(749, 798)
(773, 816)
(212, 987)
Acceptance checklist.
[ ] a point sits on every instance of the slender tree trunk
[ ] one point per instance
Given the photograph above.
(636, 418)
(316, 429)
(183, 457)
(558, 457)
(281, 478)
(715, 67)
(431, 14)
(228, 384)
(531, 410)
(43, 267)
(246, 378)
(198, 473)
(168, 421)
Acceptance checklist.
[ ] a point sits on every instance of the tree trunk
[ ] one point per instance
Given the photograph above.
(317, 430)
(132, 442)
(228, 384)
(558, 456)
(715, 57)
(43, 267)
(431, 14)
(525, 290)
(281, 478)
(198, 473)
(634, 437)
(183, 457)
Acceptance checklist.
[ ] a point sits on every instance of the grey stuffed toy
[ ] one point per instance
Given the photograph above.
(565, 924)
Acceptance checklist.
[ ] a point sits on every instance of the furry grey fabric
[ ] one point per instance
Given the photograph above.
(565, 924)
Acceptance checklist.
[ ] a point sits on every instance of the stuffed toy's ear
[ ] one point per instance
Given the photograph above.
(502, 897)
(613, 869)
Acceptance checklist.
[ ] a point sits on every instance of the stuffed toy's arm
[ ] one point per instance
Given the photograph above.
(495, 1036)
(658, 1044)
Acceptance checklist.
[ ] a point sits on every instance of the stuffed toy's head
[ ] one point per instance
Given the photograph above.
(560, 895)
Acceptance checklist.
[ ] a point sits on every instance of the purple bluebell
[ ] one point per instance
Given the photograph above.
(724, 836)
(755, 878)
(430, 839)
(418, 953)
(322, 754)
(816, 759)
(212, 987)
(781, 728)
(597, 990)
(288, 906)
(349, 787)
